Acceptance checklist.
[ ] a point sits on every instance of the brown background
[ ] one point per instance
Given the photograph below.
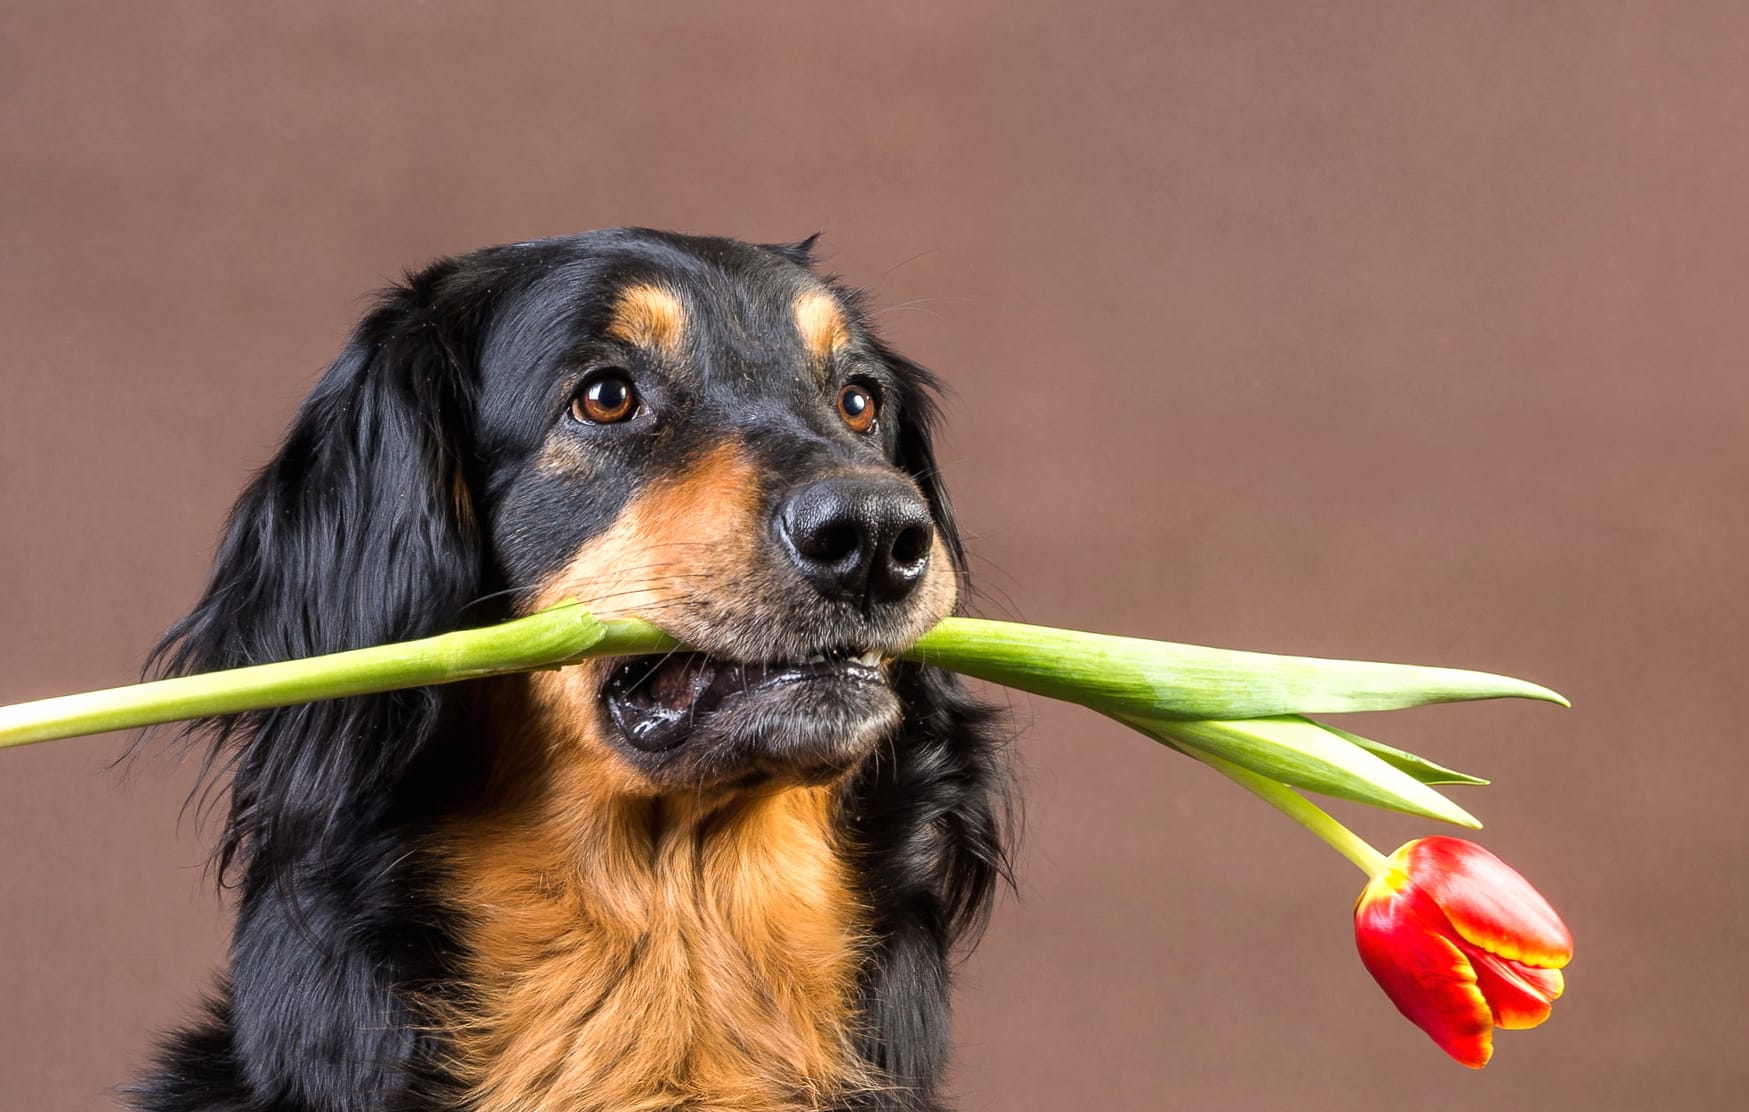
(1411, 331)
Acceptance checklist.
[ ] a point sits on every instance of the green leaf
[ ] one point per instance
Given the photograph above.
(1163, 679)
(1303, 754)
(1419, 767)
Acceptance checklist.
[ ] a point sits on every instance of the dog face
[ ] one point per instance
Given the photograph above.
(705, 434)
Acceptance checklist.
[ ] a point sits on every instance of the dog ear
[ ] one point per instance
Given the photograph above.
(933, 820)
(360, 531)
(801, 252)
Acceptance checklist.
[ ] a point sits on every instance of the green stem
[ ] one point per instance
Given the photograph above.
(626, 637)
(1300, 809)
(564, 634)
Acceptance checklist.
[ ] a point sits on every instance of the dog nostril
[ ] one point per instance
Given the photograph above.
(912, 544)
(831, 544)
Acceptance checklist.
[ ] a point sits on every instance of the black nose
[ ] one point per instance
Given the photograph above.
(860, 540)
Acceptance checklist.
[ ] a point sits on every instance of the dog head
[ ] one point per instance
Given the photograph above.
(700, 432)
(706, 435)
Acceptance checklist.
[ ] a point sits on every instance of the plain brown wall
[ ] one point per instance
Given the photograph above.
(1405, 331)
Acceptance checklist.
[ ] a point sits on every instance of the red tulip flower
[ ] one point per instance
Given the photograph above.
(1461, 944)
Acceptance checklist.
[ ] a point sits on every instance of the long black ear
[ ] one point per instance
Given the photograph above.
(932, 821)
(358, 532)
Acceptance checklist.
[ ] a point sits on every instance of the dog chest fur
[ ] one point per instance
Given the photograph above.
(636, 954)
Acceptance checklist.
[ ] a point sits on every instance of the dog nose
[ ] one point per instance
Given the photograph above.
(865, 541)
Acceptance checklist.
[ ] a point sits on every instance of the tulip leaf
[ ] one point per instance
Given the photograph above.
(1417, 766)
(1163, 679)
(1303, 754)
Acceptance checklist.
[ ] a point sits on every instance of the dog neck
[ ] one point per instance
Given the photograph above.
(634, 952)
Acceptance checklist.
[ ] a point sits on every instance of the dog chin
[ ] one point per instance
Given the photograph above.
(690, 720)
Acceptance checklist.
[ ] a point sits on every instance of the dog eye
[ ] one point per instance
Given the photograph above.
(607, 398)
(856, 407)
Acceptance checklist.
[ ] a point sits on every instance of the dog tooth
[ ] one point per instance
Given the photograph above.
(869, 659)
(817, 658)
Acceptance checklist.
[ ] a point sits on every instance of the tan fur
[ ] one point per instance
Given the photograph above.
(691, 536)
(649, 316)
(820, 321)
(642, 954)
(462, 500)
(633, 951)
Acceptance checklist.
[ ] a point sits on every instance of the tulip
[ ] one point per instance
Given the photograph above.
(1461, 943)
(1458, 940)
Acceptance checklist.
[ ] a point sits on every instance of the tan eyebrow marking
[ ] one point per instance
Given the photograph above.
(649, 316)
(820, 321)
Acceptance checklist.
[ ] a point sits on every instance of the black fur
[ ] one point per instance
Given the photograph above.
(382, 518)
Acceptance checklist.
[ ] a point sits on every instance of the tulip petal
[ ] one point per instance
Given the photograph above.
(1426, 976)
(1489, 904)
(1521, 996)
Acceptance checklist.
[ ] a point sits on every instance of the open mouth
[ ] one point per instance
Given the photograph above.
(817, 710)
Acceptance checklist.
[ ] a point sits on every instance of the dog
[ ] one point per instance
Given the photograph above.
(728, 879)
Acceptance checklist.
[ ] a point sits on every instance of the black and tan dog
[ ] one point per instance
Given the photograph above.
(729, 879)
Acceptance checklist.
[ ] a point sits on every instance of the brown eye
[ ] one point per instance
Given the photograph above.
(856, 407)
(606, 399)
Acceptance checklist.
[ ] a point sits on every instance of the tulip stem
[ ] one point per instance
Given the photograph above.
(562, 634)
(1303, 811)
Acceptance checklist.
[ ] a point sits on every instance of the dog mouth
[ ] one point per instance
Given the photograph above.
(817, 712)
